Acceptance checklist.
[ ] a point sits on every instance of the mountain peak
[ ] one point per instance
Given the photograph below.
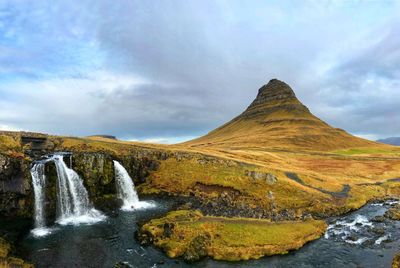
(276, 119)
(274, 90)
(274, 96)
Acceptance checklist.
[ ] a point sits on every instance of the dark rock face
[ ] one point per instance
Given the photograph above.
(274, 90)
(36, 144)
(272, 97)
(168, 229)
(15, 187)
(96, 170)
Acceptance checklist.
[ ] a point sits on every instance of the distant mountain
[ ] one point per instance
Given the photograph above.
(391, 141)
(276, 119)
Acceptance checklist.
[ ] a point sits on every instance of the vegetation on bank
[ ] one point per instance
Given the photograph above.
(193, 236)
(396, 261)
(7, 261)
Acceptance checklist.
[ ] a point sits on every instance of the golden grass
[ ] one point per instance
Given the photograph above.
(9, 144)
(231, 239)
(396, 261)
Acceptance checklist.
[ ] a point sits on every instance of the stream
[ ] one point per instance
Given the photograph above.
(359, 239)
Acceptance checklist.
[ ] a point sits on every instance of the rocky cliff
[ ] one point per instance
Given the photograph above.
(95, 167)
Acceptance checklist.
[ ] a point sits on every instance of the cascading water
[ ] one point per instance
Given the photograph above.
(126, 189)
(73, 205)
(39, 182)
(73, 201)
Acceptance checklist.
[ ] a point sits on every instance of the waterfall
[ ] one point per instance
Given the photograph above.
(73, 205)
(39, 182)
(126, 189)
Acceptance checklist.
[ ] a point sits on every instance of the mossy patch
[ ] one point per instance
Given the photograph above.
(396, 261)
(7, 261)
(230, 239)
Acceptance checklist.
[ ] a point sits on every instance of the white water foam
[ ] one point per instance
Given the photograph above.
(358, 241)
(381, 239)
(343, 229)
(42, 231)
(360, 220)
(90, 217)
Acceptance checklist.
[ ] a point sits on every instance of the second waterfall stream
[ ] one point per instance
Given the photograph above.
(126, 190)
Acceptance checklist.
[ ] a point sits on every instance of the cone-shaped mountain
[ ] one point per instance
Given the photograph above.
(276, 119)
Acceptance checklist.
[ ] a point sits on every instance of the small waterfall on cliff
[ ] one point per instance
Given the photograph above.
(72, 198)
(126, 189)
(73, 205)
(39, 182)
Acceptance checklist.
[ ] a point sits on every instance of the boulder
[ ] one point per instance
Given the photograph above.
(393, 213)
(197, 248)
(258, 176)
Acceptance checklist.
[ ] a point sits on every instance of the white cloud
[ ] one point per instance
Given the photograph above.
(177, 69)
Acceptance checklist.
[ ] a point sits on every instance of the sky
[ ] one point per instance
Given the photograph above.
(168, 71)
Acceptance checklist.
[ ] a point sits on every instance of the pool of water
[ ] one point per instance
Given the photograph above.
(355, 240)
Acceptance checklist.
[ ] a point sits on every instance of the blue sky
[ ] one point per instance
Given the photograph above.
(167, 71)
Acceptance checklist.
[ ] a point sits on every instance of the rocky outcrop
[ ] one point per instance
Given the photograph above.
(15, 186)
(278, 93)
(197, 248)
(393, 213)
(267, 177)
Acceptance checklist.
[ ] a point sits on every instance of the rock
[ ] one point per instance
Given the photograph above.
(393, 214)
(197, 248)
(268, 177)
(168, 229)
(368, 243)
(352, 238)
(378, 230)
(122, 265)
(271, 178)
(15, 187)
(378, 219)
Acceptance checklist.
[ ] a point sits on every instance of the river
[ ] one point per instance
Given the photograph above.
(354, 240)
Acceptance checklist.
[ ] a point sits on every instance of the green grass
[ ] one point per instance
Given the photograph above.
(369, 151)
(232, 239)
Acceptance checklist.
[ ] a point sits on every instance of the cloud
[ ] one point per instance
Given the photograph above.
(360, 92)
(178, 69)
